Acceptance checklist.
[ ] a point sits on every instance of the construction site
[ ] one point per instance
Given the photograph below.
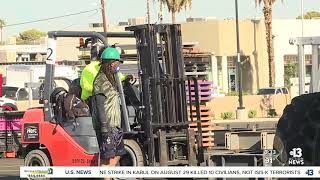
(201, 95)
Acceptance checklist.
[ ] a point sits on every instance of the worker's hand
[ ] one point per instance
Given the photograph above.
(130, 77)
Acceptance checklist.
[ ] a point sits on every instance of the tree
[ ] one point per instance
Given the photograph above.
(290, 71)
(30, 36)
(2, 24)
(310, 15)
(175, 6)
(267, 11)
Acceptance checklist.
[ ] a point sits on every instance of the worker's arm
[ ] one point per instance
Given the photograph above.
(124, 77)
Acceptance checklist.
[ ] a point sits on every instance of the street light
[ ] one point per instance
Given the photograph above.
(239, 69)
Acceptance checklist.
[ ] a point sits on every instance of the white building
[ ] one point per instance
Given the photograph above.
(283, 31)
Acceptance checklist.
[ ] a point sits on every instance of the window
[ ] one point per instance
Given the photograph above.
(278, 91)
(9, 92)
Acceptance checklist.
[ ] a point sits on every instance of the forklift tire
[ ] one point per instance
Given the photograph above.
(8, 107)
(298, 133)
(133, 156)
(36, 158)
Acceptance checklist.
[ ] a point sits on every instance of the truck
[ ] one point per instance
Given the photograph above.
(19, 75)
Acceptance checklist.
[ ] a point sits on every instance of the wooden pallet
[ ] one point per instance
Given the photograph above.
(202, 108)
(207, 132)
(205, 114)
(207, 141)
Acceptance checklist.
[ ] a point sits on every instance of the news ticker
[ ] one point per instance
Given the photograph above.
(169, 172)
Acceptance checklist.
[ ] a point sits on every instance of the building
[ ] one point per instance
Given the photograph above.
(137, 21)
(11, 52)
(218, 37)
(284, 53)
(214, 37)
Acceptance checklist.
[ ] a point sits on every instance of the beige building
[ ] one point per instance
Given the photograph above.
(218, 37)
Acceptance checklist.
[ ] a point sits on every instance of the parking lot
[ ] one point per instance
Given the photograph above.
(10, 168)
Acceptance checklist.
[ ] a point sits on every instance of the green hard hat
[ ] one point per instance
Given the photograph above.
(110, 54)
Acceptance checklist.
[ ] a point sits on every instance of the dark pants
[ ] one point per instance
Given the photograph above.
(110, 139)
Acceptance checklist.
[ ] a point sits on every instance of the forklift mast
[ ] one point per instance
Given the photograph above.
(163, 87)
(162, 74)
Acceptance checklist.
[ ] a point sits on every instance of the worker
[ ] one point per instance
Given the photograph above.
(98, 82)
(73, 105)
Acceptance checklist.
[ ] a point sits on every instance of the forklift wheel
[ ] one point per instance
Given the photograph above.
(36, 158)
(133, 156)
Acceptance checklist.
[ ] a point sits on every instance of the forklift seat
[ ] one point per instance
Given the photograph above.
(79, 128)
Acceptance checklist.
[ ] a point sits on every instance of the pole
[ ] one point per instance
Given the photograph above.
(104, 15)
(161, 12)
(123, 103)
(30, 88)
(239, 69)
(302, 18)
(148, 11)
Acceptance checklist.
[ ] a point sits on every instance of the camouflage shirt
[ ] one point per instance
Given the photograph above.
(106, 85)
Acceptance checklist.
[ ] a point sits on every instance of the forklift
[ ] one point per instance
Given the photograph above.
(155, 114)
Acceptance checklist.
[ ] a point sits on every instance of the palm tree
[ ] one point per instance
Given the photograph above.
(175, 6)
(161, 11)
(267, 11)
(2, 24)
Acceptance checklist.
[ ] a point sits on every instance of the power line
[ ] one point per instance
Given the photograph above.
(46, 19)
(77, 22)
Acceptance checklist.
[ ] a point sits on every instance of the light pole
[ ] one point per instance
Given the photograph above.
(239, 69)
(104, 18)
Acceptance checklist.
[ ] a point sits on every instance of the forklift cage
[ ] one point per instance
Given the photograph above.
(52, 56)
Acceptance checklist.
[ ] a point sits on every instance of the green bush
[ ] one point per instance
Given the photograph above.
(252, 114)
(227, 115)
(272, 113)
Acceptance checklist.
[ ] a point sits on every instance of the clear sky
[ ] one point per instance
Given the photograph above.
(16, 11)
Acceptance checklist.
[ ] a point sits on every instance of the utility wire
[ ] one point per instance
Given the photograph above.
(76, 23)
(46, 19)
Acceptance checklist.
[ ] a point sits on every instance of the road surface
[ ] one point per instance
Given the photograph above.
(10, 168)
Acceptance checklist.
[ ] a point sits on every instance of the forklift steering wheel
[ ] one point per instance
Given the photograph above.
(134, 81)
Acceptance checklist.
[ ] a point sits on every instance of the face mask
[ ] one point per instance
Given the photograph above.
(117, 69)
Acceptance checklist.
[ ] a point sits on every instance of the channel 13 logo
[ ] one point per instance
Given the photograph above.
(296, 157)
(296, 152)
(309, 172)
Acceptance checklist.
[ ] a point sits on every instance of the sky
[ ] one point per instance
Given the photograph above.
(17, 11)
